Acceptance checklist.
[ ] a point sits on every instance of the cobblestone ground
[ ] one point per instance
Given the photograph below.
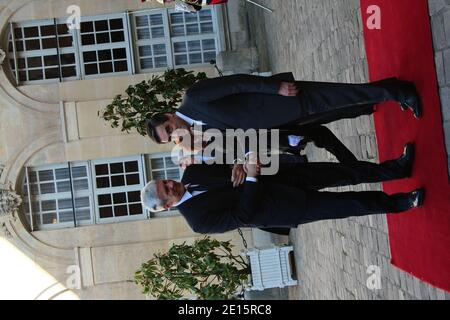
(322, 40)
(440, 23)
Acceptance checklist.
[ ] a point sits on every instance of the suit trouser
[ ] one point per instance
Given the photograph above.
(309, 206)
(320, 175)
(297, 185)
(323, 102)
(329, 205)
(315, 176)
(292, 158)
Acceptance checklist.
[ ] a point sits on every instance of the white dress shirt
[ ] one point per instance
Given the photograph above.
(295, 140)
(187, 196)
(190, 121)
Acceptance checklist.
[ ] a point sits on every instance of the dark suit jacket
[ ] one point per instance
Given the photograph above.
(320, 135)
(252, 102)
(224, 208)
(289, 198)
(241, 102)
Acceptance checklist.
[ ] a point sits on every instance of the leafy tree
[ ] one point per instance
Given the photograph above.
(161, 93)
(206, 270)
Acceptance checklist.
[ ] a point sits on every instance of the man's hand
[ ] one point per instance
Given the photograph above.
(288, 89)
(252, 166)
(238, 175)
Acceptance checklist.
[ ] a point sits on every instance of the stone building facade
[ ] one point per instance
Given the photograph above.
(59, 155)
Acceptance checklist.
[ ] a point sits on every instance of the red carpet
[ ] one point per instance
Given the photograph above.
(420, 239)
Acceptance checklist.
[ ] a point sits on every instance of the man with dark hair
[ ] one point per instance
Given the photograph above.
(321, 136)
(156, 121)
(295, 108)
(278, 102)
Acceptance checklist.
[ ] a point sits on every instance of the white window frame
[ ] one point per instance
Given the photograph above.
(58, 196)
(112, 45)
(210, 36)
(193, 38)
(77, 49)
(161, 156)
(170, 40)
(136, 43)
(112, 190)
(42, 52)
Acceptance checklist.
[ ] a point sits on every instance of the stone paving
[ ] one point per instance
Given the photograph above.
(321, 40)
(440, 23)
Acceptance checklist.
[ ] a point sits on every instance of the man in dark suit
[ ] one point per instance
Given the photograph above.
(210, 203)
(289, 145)
(277, 102)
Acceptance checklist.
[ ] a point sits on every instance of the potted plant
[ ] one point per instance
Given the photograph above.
(162, 93)
(206, 270)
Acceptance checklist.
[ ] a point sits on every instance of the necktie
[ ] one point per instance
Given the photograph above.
(210, 187)
(194, 188)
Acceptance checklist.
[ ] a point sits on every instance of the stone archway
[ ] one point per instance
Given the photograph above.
(7, 90)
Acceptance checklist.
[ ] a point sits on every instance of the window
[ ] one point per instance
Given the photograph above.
(162, 167)
(170, 38)
(193, 37)
(54, 193)
(92, 192)
(117, 188)
(104, 46)
(151, 36)
(47, 51)
(44, 51)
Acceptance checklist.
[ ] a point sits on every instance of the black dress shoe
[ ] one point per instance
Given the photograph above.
(417, 198)
(412, 101)
(406, 161)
